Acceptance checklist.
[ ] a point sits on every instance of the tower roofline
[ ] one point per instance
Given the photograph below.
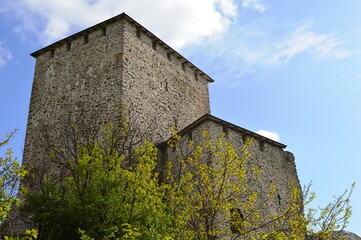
(122, 16)
(209, 117)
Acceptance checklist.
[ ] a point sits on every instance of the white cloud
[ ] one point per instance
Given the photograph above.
(5, 55)
(269, 134)
(255, 4)
(176, 22)
(304, 40)
(254, 49)
(260, 46)
(228, 7)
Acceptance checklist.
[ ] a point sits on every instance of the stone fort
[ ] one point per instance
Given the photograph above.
(120, 63)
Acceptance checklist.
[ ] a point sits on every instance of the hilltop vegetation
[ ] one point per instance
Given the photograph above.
(114, 189)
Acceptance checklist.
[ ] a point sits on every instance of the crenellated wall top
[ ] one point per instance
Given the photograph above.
(100, 30)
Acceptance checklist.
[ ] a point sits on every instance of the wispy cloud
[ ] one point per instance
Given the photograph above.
(303, 40)
(269, 48)
(269, 134)
(177, 22)
(228, 7)
(5, 55)
(254, 4)
(265, 44)
(254, 49)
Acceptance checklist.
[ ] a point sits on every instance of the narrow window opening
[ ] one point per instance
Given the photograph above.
(190, 136)
(104, 31)
(244, 138)
(184, 66)
(52, 53)
(196, 76)
(86, 39)
(139, 33)
(166, 86)
(225, 130)
(169, 56)
(237, 219)
(154, 45)
(68, 46)
(279, 199)
(262, 146)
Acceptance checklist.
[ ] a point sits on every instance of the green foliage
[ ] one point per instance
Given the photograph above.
(206, 184)
(10, 174)
(107, 194)
(323, 222)
(128, 232)
(114, 189)
(212, 194)
(30, 234)
(291, 223)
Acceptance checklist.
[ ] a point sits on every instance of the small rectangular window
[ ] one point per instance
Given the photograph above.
(262, 145)
(104, 31)
(184, 66)
(244, 138)
(139, 33)
(86, 39)
(52, 53)
(68, 46)
(237, 219)
(225, 130)
(155, 45)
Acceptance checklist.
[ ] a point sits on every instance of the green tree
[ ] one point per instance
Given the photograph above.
(10, 174)
(114, 188)
(108, 190)
(328, 222)
(213, 194)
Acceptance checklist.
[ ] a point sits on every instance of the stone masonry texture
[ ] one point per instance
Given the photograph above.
(115, 64)
(120, 64)
(277, 165)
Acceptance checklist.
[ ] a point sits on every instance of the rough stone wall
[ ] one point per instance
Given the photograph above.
(157, 87)
(81, 75)
(278, 165)
(118, 63)
(338, 235)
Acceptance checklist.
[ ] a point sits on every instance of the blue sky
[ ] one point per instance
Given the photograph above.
(290, 68)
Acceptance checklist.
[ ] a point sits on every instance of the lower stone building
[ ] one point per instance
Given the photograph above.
(270, 174)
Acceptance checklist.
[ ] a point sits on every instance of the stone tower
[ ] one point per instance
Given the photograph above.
(116, 63)
(120, 64)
